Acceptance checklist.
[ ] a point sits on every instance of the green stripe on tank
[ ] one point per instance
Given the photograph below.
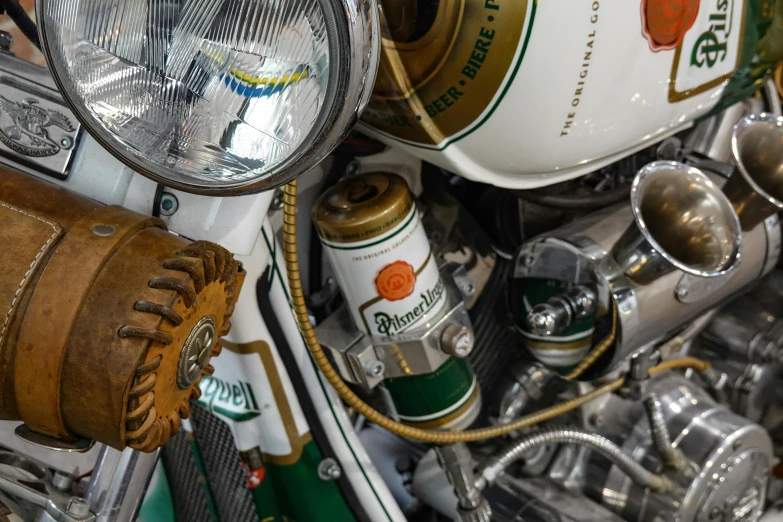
(301, 495)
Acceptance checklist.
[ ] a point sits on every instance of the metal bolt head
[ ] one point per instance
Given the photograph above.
(596, 420)
(6, 41)
(542, 319)
(329, 469)
(62, 480)
(374, 369)
(682, 292)
(103, 230)
(737, 444)
(78, 507)
(277, 200)
(353, 168)
(457, 340)
(715, 513)
(466, 287)
(169, 204)
(196, 352)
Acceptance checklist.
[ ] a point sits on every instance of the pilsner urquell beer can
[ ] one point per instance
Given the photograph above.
(375, 241)
(376, 244)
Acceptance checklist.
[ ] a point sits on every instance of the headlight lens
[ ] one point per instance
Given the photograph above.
(213, 96)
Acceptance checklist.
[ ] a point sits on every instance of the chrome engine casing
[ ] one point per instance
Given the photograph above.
(729, 460)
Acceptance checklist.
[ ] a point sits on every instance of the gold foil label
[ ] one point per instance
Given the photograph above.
(434, 85)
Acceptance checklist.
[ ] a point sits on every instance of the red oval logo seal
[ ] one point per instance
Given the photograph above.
(395, 281)
(665, 22)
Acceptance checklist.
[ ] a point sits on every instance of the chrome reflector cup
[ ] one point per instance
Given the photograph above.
(214, 97)
(756, 189)
(682, 221)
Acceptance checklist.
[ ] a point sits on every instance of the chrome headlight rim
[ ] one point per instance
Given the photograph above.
(353, 43)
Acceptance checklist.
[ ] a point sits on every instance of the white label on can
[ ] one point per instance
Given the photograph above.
(391, 282)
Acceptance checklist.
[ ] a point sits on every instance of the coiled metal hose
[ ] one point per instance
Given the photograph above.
(635, 471)
(662, 442)
(438, 437)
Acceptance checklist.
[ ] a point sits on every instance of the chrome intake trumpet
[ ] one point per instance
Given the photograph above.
(682, 221)
(655, 264)
(756, 190)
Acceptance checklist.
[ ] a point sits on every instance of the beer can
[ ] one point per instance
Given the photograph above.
(448, 398)
(374, 239)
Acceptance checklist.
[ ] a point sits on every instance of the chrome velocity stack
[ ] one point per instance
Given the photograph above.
(756, 190)
(682, 221)
(662, 259)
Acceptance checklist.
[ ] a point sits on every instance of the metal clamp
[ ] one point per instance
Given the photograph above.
(367, 360)
(39, 498)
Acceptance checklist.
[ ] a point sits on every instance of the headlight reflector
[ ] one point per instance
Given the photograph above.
(213, 96)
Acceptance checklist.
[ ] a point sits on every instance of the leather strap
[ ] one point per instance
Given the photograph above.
(26, 240)
(54, 307)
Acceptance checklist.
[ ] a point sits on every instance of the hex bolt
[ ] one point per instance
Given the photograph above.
(374, 369)
(62, 480)
(277, 201)
(169, 204)
(329, 470)
(466, 287)
(457, 340)
(682, 293)
(6, 41)
(352, 168)
(78, 507)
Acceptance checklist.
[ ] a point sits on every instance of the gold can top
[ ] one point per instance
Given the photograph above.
(362, 207)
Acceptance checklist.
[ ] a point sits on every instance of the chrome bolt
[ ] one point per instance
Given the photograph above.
(103, 230)
(457, 340)
(374, 369)
(62, 480)
(169, 204)
(329, 469)
(467, 288)
(78, 507)
(682, 293)
(543, 319)
(352, 168)
(277, 201)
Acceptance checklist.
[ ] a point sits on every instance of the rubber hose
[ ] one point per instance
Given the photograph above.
(602, 445)
(592, 202)
(22, 21)
(438, 437)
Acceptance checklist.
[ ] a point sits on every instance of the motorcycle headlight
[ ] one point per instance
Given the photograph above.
(215, 97)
